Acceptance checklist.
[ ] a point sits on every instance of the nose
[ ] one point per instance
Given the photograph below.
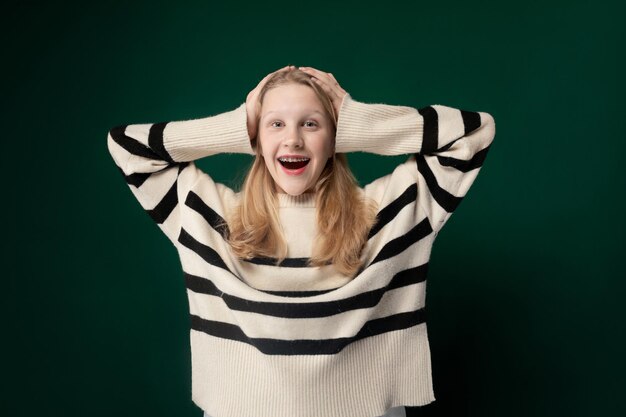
(293, 138)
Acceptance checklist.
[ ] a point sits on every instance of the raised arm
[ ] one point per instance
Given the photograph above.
(156, 159)
(448, 148)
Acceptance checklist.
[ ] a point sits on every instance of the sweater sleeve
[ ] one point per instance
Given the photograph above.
(448, 147)
(156, 160)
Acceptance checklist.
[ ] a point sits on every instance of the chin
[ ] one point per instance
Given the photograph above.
(294, 193)
(294, 190)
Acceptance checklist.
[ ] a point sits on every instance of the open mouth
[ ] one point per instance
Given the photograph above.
(293, 163)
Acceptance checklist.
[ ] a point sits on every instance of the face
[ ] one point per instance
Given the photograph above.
(295, 135)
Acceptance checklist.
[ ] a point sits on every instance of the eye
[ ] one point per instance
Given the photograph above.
(312, 122)
(272, 124)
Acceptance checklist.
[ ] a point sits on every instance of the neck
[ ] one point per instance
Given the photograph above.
(301, 200)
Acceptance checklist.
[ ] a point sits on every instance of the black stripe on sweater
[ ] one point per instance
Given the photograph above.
(462, 165)
(430, 135)
(401, 243)
(205, 286)
(308, 309)
(392, 209)
(287, 262)
(471, 121)
(168, 203)
(400, 280)
(216, 221)
(155, 141)
(138, 178)
(131, 145)
(448, 201)
(310, 293)
(309, 346)
(205, 252)
(135, 179)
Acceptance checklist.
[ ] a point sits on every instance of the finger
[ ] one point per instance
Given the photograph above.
(327, 82)
(326, 76)
(327, 86)
(333, 93)
(324, 84)
(335, 96)
(321, 79)
(315, 72)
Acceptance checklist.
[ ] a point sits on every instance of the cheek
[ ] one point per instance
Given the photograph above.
(329, 148)
(268, 161)
(263, 149)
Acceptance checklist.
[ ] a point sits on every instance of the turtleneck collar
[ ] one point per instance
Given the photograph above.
(302, 200)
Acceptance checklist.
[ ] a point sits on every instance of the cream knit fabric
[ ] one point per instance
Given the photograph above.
(292, 340)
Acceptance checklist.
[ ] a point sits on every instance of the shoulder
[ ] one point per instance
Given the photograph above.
(219, 197)
(388, 187)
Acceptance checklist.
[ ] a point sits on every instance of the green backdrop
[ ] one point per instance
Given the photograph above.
(524, 292)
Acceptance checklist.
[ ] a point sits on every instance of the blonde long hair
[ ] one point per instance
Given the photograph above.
(344, 215)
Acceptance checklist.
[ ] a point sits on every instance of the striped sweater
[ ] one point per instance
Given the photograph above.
(290, 340)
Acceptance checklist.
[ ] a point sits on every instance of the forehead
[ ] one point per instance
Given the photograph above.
(291, 99)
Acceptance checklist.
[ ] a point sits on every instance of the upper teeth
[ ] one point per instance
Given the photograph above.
(292, 159)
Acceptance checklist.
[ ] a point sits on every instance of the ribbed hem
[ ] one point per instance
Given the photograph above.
(378, 128)
(227, 132)
(300, 201)
(365, 379)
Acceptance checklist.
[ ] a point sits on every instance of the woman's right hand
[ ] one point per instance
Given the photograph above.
(252, 103)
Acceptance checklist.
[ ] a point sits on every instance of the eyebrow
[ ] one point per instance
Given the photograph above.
(276, 111)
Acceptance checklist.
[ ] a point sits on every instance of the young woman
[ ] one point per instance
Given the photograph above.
(306, 292)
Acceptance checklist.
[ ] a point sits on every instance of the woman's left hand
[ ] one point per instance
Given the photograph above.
(327, 81)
